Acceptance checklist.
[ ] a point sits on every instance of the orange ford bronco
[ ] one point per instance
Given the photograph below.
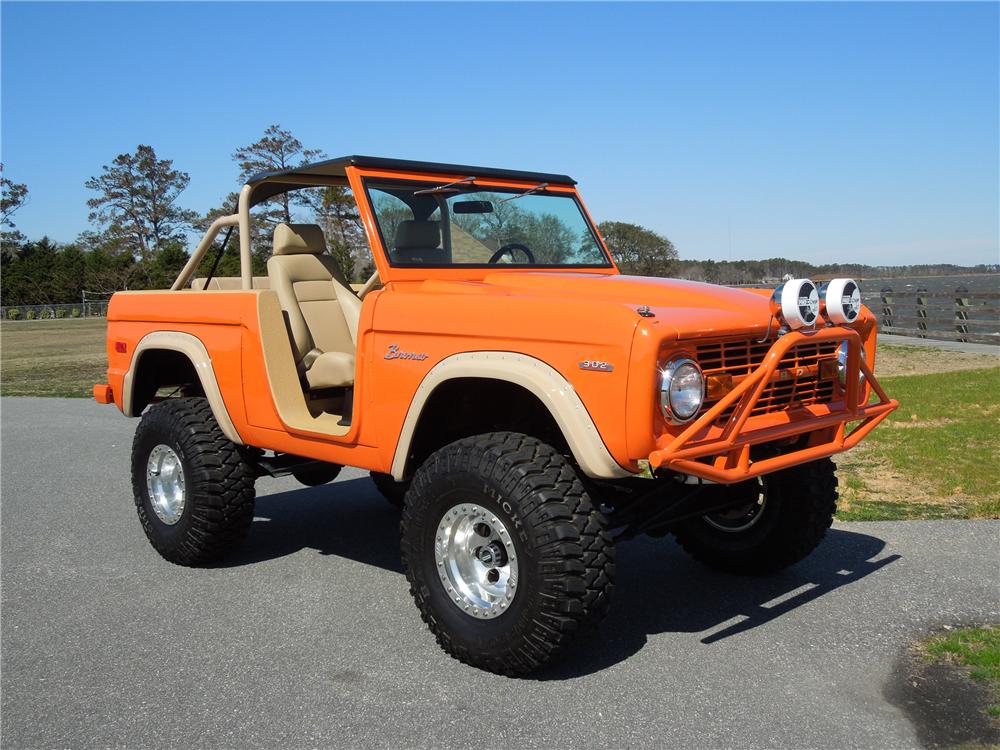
(523, 403)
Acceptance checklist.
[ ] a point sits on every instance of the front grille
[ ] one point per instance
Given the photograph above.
(807, 373)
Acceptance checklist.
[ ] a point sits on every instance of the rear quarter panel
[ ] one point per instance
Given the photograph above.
(214, 318)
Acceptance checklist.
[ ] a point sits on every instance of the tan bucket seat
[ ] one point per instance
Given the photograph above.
(321, 310)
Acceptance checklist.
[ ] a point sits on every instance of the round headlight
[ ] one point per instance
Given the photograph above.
(796, 303)
(682, 390)
(842, 363)
(842, 300)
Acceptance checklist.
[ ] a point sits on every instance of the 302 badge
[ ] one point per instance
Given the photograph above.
(597, 365)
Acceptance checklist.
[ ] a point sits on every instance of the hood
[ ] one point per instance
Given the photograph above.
(691, 308)
(636, 290)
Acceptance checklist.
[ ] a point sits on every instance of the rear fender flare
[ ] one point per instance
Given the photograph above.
(195, 351)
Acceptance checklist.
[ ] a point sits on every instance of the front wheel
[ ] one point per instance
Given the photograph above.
(784, 517)
(505, 554)
(194, 490)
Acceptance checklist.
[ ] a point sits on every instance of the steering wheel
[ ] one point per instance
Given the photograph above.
(510, 247)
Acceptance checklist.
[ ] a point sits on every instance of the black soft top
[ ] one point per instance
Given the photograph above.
(275, 185)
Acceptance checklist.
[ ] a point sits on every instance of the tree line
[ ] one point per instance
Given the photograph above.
(141, 235)
(773, 270)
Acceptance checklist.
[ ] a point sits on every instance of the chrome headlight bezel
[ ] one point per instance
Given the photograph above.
(675, 368)
(842, 364)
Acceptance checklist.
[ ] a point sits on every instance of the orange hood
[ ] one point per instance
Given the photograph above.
(636, 290)
(686, 309)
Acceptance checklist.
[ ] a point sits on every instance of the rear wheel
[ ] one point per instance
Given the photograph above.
(194, 490)
(784, 517)
(505, 554)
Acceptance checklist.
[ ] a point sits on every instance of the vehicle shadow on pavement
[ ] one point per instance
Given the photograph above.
(660, 589)
(349, 519)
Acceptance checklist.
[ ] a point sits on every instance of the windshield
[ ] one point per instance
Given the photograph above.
(427, 224)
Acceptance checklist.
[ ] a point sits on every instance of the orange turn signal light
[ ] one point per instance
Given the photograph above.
(718, 386)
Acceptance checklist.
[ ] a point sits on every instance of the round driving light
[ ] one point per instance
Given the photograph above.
(842, 301)
(842, 364)
(796, 303)
(682, 390)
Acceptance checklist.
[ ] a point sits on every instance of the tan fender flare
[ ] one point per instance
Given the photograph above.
(195, 351)
(547, 384)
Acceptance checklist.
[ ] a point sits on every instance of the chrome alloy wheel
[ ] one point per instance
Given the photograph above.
(165, 482)
(476, 560)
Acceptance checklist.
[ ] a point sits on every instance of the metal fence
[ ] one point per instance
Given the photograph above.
(954, 316)
(95, 309)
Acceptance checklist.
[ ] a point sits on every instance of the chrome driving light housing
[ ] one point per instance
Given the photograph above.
(796, 304)
(841, 301)
(842, 364)
(682, 390)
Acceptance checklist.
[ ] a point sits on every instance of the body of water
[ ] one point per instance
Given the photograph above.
(976, 283)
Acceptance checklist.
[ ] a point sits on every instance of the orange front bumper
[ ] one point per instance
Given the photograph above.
(725, 457)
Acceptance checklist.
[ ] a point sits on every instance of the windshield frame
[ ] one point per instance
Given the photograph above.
(362, 179)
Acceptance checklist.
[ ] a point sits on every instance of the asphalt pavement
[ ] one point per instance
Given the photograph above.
(308, 637)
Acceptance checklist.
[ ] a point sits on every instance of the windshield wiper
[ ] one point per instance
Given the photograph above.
(529, 191)
(445, 188)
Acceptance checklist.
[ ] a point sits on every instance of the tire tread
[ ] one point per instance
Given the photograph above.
(576, 554)
(220, 482)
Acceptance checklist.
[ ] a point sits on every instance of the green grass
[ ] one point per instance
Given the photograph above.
(896, 510)
(935, 457)
(52, 357)
(976, 648)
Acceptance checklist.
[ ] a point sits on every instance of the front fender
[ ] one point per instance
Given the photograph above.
(535, 376)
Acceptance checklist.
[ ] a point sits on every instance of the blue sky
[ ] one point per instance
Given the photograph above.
(825, 132)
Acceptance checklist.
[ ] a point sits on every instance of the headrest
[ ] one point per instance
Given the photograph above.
(413, 235)
(298, 239)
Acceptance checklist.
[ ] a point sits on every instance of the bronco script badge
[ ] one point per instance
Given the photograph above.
(395, 353)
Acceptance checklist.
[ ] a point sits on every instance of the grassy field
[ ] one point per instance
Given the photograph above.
(936, 457)
(52, 357)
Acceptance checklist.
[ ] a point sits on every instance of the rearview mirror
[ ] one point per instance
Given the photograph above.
(472, 207)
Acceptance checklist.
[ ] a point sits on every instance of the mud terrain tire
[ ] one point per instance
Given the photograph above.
(218, 483)
(799, 507)
(565, 554)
